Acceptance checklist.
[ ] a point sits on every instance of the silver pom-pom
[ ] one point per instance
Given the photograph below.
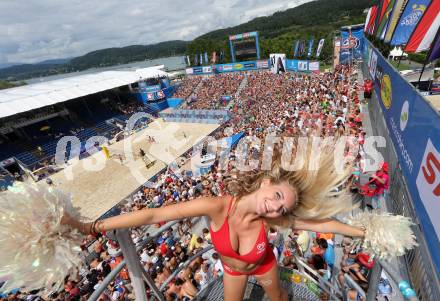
(386, 235)
(36, 250)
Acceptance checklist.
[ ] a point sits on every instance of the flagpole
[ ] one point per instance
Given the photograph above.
(400, 58)
(437, 35)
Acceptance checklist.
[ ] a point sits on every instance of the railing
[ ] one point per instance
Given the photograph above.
(405, 289)
(312, 275)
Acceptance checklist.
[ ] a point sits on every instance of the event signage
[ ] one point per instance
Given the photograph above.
(414, 127)
(310, 48)
(408, 21)
(277, 63)
(245, 35)
(262, 64)
(302, 66)
(319, 48)
(351, 44)
(153, 88)
(295, 49)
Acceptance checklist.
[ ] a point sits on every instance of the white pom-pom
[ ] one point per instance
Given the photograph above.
(36, 251)
(386, 235)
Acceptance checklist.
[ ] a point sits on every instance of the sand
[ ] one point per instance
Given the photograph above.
(97, 183)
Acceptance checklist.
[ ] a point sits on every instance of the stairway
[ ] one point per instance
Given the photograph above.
(304, 291)
(242, 85)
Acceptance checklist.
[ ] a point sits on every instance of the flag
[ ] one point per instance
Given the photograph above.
(434, 53)
(309, 51)
(386, 11)
(295, 50)
(370, 28)
(188, 60)
(201, 59)
(206, 58)
(412, 13)
(196, 60)
(367, 21)
(378, 16)
(214, 57)
(320, 45)
(395, 15)
(222, 56)
(422, 37)
(302, 46)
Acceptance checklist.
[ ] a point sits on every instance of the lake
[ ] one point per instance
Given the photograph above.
(171, 63)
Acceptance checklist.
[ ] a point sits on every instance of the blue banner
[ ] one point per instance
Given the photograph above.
(295, 50)
(309, 51)
(239, 66)
(153, 88)
(302, 66)
(352, 44)
(414, 127)
(410, 17)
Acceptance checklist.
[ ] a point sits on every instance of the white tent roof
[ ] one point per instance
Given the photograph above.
(397, 52)
(34, 96)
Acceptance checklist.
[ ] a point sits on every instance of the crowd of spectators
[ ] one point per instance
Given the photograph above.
(212, 88)
(188, 86)
(323, 104)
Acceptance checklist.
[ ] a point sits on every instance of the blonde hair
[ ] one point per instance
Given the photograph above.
(320, 191)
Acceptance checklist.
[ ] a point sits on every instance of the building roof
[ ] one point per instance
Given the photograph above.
(34, 96)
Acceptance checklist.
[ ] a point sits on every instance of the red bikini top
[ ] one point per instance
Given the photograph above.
(222, 243)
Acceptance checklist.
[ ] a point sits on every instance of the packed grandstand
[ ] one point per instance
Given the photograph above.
(320, 104)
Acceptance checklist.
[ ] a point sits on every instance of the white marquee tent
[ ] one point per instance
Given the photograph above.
(34, 96)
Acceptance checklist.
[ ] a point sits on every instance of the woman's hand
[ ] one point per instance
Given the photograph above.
(84, 228)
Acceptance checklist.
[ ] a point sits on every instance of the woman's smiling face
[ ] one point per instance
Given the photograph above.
(275, 200)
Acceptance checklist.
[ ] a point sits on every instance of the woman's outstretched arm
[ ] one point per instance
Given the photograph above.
(328, 226)
(204, 206)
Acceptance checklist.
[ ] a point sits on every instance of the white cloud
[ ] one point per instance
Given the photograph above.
(32, 31)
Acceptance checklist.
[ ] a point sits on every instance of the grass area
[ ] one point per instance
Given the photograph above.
(403, 65)
(6, 85)
(323, 66)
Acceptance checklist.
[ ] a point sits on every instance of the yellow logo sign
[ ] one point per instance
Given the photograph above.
(238, 66)
(386, 91)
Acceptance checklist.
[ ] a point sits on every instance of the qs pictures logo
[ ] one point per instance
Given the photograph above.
(386, 91)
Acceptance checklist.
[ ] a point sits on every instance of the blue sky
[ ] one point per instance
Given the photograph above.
(36, 30)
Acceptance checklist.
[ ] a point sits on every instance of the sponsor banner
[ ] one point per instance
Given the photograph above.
(320, 45)
(189, 70)
(150, 88)
(413, 12)
(310, 49)
(207, 69)
(295, 49)
(292, 65)
(302, 66)
(313, 66)
(394, 18)
(277, 62)
(263, 64)
(352, 44)
(414, 127)
(239, 66)
(245, 35)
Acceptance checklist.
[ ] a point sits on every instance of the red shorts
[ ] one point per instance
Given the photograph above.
(261, 269)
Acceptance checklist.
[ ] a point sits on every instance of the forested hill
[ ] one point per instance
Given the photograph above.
(318, 19)
(98, 58)
(113, 56)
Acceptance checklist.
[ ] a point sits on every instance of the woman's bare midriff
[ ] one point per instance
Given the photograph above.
(240, 266)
